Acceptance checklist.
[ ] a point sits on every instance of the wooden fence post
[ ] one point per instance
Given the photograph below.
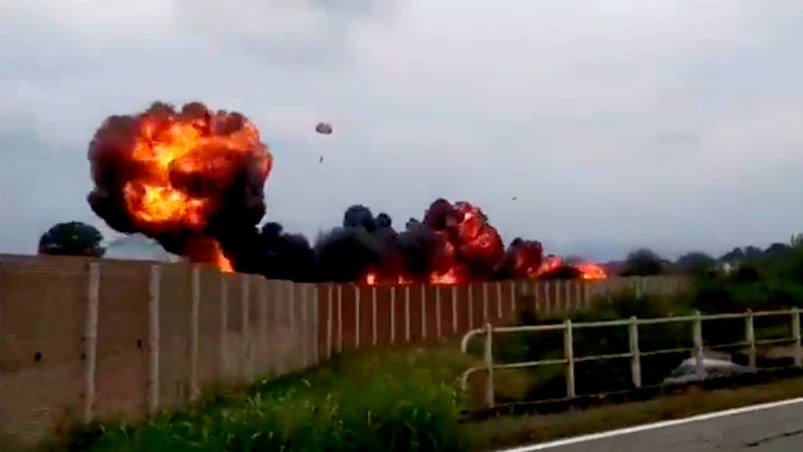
(796, 336)
(698, 343)
(488, 360)
(635, 362)
(91, 340)
(153, 339)
(750, 336)
(568, 354)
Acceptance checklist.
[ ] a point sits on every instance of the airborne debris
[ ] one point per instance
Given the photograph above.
(324, 128)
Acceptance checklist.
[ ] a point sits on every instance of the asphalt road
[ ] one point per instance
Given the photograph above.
(775, 429)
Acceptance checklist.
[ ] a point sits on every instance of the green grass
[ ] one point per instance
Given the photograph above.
(403, 400)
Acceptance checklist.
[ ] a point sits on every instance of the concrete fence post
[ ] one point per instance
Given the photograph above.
(439, 315)
(512, 285)
(91, 340)
(470, 297)
(454, 311)
(357, 317)
(750, 337)
(339, 318)
(485, 315)
(392, 316)
(566, 287)
(245, 371)
(154, 290)
(316, 322)
(586, 293)
(407, 326)
(223, 314)
(635, 359)
(330, 313)
(568, 354)
(498, 299)
(262, 327)
(304, 330)
(374, 315)
(291, 305)
(423, 308)
(195, 302)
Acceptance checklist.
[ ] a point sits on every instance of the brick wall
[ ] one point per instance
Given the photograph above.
(87, 339)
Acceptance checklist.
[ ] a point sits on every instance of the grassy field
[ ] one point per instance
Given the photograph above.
(402, 400)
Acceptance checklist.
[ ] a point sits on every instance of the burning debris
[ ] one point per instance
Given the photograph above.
(193, 180)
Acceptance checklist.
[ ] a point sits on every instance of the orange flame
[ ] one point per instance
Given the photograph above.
(182, 164)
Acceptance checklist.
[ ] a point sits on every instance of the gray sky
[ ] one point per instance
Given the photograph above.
(671, 124)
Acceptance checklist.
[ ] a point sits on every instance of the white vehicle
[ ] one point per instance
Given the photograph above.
(713, 368)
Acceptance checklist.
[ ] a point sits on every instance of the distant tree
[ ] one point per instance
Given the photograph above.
(777, 250)
(733, 256)
(72, 238)
(643, 262)
(695, 262)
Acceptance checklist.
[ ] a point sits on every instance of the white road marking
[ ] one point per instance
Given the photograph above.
(653, 426)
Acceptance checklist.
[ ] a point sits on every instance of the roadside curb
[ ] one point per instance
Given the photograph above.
(553, 406)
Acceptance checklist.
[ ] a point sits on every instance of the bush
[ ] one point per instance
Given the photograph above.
(395, 405)
(761, 285)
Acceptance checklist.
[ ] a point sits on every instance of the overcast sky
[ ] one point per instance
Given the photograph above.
(671, 124)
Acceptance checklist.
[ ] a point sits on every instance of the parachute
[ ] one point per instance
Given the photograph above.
(324, 128)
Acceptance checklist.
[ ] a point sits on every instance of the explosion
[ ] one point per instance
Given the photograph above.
(193, 179)
(454, 243)
(188, 179)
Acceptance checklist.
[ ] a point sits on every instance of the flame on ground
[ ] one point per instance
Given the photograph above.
(466, 240)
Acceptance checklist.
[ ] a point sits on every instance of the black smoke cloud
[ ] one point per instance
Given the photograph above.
(364, 242)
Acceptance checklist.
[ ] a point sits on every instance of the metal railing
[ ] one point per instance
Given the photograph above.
(569, 359)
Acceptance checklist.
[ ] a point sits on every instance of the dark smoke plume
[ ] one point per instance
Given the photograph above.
(193, 179)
